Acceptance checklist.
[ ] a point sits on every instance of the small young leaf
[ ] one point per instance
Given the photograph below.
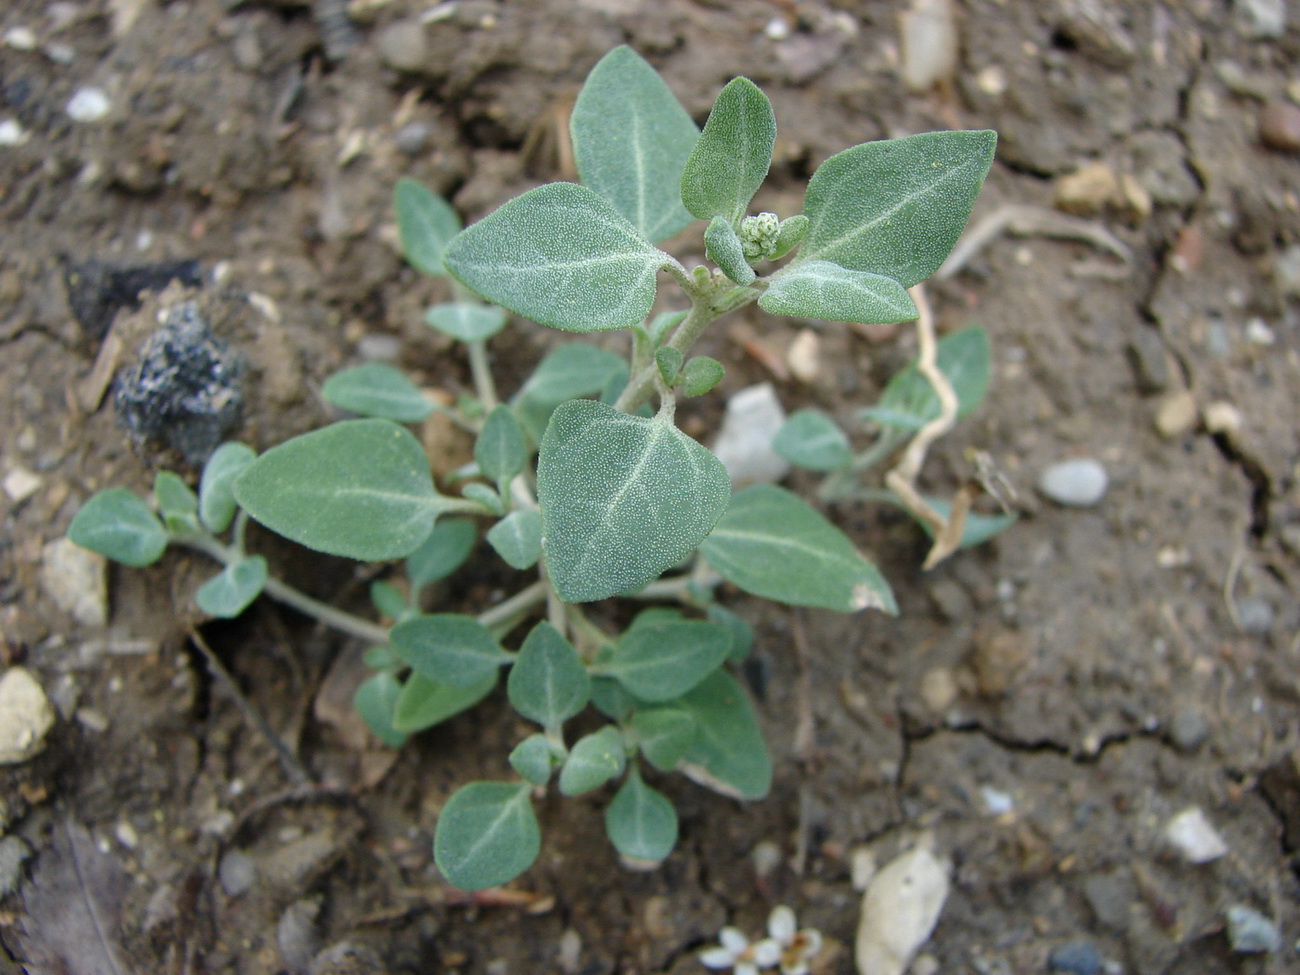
(631, 139)
(442, 553)
(360, 488)
(772, 544)
(487, 834)
(485, 496)
(177, 504)
(382, 657)
(623, 498)
(230, 592)
(375, 700)
(517, 538)
(120, 525)
(979, 528)
(664, 735)
(377, 389)
(812, 440)
(731, 159)
(742, 635)
(729, 754)
(593, 761)
(661, 660)
(820, 289)
(909, 401)
(466, 321)
(548, 683)
(562, 256)
(790, 235)
(501, 450)
(426, 223)
(610, 698)
(449, 648)
(388, 600)
(701, 374)
(723, 247)
(531, 758)
(565, 373)
(669, 362)
(423, 703)
(658, 326)
(641, 822)
(216, 499)
(895, 207)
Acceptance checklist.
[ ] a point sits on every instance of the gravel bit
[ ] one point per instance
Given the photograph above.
(1076, 958)
(1250, 932)
(1078, 483)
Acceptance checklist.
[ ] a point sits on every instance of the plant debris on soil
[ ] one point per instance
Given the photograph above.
(1039, 713)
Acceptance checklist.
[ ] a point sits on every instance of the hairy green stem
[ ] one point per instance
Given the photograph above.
(484, 386)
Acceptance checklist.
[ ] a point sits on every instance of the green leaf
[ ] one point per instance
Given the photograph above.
(669, 362)
(388, 600)
(501, 450)
(216, 499)
(548, 683)
(487, 834)
(423, 703)
(979, 528)
(426, 223)
(485, 496)
(631, 139)
(723, 247)
(729, 754)
(562, 256)
(517, 538)
(377, 389)
(466, 321)
(812, 440)
(701, 374)
(664, 735)
(641, 822)
(610, 699)
(895, 207)
(661, 660)
(658, 326)
(566, 372)
(120, 525)
(909, 401)
(594, 760)
(731, 159)
(623, 498)
(360, 488)
(531, 758)
(375, 699)
(442, 553)
(178, 506)
(790, 235)
(742, 635)
(382, 657)
(449, 648)
(820, 289)
(230, 592)
(772, 544)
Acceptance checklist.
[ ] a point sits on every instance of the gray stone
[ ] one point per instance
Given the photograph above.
(1188, 730)
(1078, 483)
(1255, 615)
(413, 137)
(236, 871)
(77, 580)
(402, 46)
(26, 716)
(1110, 895)
(1077, 958)
(1150, 361)
(1160, 164)
(1261, 18)
(1250, 932)
(13, 853)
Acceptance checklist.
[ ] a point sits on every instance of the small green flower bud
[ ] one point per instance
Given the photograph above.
(758, 235)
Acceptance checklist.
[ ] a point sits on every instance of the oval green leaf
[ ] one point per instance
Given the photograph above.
(723, 247)
(449, 648)
(731, 159)
(230, 592)
(487, 834)
(360, 488)
(812, 440)
(593, 761)
(423, 703)
(772, 544)
(641, 822)
(442, 553)
(501, 450)
(562, 256)
(728, 754)
(663, 659)
(631, 140)
(820, 289)
(379, 390)
(700, 374)
(466, 321)
(375, 700)
(664, 735)
(565, 373)
(548, 683)
(426, 223)
(517, 538)
(177, 504)
(895, 207)
(216, 499)
(909, 401)
(119, 525)
(623, 498)
(531, 758)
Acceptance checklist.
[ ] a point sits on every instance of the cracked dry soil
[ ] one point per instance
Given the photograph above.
(1042, 706)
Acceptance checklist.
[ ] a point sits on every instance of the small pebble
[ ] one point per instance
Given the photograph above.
(1255, 616)
(1258, 333)
(77, 580)
(1076, 958)
(402, 45)
(20, 484)
(21, 38)
(1078, 483)
(236, 871)
(1193, 836)
(1150, 360)
(899, 911)
(26, 716)
(997, 802)
(929, 44)
(1250, 932)
(1223, 417)
(1188, 730)
(777, 29)
(1261, 19)
(1286, 271)
(413, 138)
(12, 133)
(744, 443)
(88, 105)
(13, 853)
(1177, 414)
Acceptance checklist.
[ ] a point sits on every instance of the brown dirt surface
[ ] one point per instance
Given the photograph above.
(1038, 712)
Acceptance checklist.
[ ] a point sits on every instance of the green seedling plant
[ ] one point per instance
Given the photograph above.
(582, 477)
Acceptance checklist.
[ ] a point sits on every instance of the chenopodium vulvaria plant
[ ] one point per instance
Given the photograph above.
(581, 480)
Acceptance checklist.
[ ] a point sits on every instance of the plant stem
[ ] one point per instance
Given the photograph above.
(482, 374)
(688, 332)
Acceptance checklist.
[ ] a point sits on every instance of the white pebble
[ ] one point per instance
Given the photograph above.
(899, 911)
(12, 133)
(997, 802)
(1258, 333)
(777, 29)
(744, 444)
(89, 105)
(1078, 483)
(1192, 835)
(929, 42)
(26, 716)
(21, 38)
(20, 484)
(77, 580)
(1250, 932)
